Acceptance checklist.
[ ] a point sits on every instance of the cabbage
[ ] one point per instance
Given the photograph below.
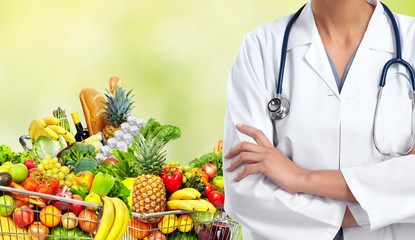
(44, 145)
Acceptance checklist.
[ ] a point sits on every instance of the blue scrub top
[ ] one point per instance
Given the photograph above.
(336, 76)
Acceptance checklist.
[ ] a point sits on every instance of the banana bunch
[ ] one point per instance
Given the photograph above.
(189, 199)
(49, 128)
(114, 221)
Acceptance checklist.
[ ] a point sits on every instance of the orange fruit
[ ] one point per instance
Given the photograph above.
(137, 229)
(50, 216)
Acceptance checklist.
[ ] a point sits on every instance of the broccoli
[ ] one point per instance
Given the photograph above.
(85, 164)
(76, 152)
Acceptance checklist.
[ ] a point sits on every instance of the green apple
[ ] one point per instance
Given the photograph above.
(6, 205)
(19, 172)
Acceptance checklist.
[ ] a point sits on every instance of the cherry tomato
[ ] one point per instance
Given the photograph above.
(30, 184)
(216, 198)
(34, 172)
(42, 188)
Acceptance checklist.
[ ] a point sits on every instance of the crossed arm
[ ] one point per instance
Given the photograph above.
(265, 159)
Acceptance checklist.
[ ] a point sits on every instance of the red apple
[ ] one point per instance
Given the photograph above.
(210, 170)
(23, 218)
(109, 161)
(76, 208)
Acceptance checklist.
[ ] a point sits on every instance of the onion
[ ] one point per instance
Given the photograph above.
(206, 234)
(65, 193)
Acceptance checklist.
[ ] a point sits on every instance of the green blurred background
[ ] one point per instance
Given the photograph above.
(175, 54)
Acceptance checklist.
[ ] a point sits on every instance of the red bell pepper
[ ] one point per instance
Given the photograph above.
(172, 178)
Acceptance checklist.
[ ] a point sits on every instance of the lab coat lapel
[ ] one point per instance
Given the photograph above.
(305, 31)
(378, 38)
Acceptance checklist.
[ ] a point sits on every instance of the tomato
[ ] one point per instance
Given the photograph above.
(208, 189)
(30, 184)
(34, 172)
(42, 188)
(52, 183)
(216, 198)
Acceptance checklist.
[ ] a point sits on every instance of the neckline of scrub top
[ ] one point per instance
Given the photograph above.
(346, 71)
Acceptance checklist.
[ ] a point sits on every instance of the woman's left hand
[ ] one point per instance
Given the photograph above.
(265, 159)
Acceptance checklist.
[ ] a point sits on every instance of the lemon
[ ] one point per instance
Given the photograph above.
(185, 223)
(168, 224)
(93, 198)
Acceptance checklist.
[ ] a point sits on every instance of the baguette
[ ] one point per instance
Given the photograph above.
(92, 102)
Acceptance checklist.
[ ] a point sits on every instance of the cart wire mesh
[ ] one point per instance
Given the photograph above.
(50, 218)
(180, 223)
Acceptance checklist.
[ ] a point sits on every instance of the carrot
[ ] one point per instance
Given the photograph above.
(24, 197)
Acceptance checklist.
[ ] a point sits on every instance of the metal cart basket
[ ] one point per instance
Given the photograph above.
(194, 224)
(24, 217)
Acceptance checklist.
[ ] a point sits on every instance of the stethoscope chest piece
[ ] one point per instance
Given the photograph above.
(278, 108)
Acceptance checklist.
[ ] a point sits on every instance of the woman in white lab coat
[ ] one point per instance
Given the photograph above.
(325, 179)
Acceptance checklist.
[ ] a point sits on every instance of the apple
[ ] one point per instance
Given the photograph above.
(76, 208)
(7, 203)
(22, 217)
(19, 172)
(210, 170)
(109, 161)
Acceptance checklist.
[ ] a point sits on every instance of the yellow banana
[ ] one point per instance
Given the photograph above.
(179, 205)
(69, 137)
(45, 132)
(58, 129)
(183, 194)
(34, 125)
(197, 205)
(209, 205)
(51, 121)
(198, 194)
(61, 131)
(107, 219)
(125, 221)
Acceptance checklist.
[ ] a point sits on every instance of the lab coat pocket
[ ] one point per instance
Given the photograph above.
(393, 131)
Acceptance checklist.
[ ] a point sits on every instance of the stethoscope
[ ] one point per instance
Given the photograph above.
(279, 107)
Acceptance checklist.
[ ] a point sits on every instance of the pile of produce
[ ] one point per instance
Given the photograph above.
(117, 163)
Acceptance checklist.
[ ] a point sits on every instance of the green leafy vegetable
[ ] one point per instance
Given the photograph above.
(76, 152)
(208, 158)
(44, 146)
(81, 191)
(164, 133)
(5, 154)
(21, 157)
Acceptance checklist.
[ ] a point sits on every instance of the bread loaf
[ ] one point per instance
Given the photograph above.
(92, 102)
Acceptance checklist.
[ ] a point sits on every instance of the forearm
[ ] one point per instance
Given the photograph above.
(348, 219)
(326, 183)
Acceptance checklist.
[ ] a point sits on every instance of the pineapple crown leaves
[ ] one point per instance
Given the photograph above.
(148, 155)
(117, 107)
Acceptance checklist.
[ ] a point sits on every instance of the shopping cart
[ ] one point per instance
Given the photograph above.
(24, 217)
(203, 225)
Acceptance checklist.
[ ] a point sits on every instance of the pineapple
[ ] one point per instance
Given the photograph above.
(117, 108)
(149, 192)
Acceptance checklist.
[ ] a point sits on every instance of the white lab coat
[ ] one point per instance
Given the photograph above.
(325, 130)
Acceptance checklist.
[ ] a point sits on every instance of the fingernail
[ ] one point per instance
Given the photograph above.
(238, 125)
(227, 156)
